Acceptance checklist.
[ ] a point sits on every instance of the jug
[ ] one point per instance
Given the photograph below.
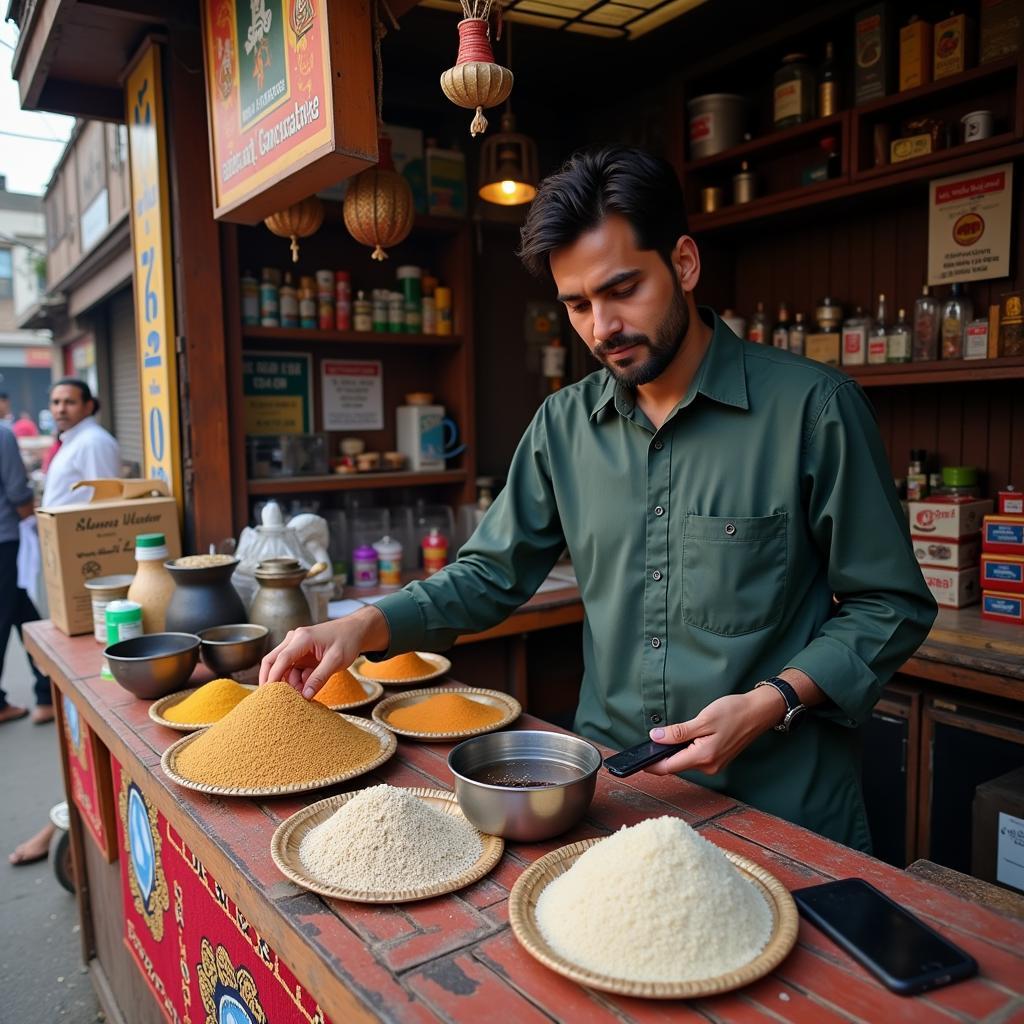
(279, 603)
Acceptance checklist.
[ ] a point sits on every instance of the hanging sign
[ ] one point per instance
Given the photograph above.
(154, 282)
(289, 100)
(277, 392)
(352, 394)
(969, 220)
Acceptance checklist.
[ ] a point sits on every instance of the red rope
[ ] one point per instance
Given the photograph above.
(473, 42)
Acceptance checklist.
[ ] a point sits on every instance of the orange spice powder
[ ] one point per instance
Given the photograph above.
(404, 666)
(341, 688)
(445, 712)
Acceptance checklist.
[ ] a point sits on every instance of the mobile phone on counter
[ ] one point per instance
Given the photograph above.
(637, 758)
(901, 951)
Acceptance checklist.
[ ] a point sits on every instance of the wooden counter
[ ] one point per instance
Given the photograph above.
(454, 958)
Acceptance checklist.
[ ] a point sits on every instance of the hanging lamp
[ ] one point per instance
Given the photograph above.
(299, 220)
(378, 209)
(508, 160)
(476, 80)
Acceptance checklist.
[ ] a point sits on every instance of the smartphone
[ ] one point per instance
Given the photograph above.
(636, 758)
(902, 952)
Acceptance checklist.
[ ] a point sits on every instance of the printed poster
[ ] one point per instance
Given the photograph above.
(352, 394)
(277, 392)
(1010, 851)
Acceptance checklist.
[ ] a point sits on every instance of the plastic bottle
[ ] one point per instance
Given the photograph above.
(153, 585)
(389, 558)
(757, 326)
(957, 313)
(364, 566)
(435, 551)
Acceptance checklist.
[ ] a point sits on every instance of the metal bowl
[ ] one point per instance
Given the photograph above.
(541, 782)
(227, 649)
(155, 664)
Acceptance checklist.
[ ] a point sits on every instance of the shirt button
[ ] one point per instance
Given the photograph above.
(655, 642)
(659, 511)
(656, 575)
(730, 529)
(655, 719)
(658, 446)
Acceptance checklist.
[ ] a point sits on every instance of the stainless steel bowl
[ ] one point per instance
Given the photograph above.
(529, 813)
(155, 664)
(227, 649)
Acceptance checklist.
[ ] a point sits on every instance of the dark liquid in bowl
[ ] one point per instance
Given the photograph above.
(523, 773)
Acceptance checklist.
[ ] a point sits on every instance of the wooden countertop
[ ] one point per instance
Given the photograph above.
(455, 958)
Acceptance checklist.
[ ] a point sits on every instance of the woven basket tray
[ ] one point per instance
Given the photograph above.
(158, 707)
(388, 745)
(510, 707)
(373, 691)
(522, 906)
(441, 667)
(284, 848)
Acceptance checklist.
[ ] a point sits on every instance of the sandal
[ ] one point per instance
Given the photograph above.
(12, 713)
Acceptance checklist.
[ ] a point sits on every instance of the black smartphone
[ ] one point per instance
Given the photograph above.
(902, 952)
(636, 758)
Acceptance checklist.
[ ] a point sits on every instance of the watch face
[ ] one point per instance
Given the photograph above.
(793, 718)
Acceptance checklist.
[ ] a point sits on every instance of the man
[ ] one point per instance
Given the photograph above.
(84, 450)
(24, 425)
(714, 495)
(6, 417)
(16, 606)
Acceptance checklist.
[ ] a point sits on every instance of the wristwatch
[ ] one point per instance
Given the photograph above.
(794, 709)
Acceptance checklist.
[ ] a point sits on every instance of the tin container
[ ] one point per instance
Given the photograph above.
(977, 125)
(711, 199)
(717, 122)
(744, 185)
(103, 590)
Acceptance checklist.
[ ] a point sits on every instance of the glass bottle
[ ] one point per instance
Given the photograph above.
(917, 478)
(289, 299)
(878, 341)
(152, 586)
(899, 340)
(757, 328)
(797, 335)
(780, 332)
(957, 313)
(794, 91)
(926, 327)
(828, 84)
(855, 339)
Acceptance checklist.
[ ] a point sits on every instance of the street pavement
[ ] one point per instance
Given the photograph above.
(41, 972)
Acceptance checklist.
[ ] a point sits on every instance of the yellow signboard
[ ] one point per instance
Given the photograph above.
(154, 285)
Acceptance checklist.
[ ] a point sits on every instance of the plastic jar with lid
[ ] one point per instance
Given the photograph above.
(793, 95)
(959, 482)
(153, 585)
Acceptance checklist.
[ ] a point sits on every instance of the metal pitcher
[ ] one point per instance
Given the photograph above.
(280, 604)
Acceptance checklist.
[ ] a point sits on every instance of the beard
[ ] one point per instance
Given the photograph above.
(653, 355)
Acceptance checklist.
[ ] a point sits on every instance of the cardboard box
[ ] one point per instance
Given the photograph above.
(948, 519)
(1002, 28)
(97, 538)
(910, 148)
(1001, 607)
(1003, 535)
(823, 347)
(997, 847)
(1011, 502)
(953, 588)
(1004, 573)
(915, 54)
(953, 46)
(871, 54)
(947, 554)
(993, 331)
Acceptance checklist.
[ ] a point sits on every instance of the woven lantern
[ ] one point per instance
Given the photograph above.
(378, 207)
(476, 81)
(297, 221)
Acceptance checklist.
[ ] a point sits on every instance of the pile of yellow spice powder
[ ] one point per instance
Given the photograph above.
(276, 737)
(209, 704)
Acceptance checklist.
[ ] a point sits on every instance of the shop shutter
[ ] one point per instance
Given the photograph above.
(124, 376)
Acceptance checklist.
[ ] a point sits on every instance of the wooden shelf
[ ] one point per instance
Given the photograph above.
(353, 482)
(250, 332)
(946, 371)
(939, 157)
(766, 206)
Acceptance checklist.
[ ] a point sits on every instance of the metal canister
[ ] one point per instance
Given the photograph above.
(123, 620)
(711, 199)
(103, 590)
(829, 316)
(744, 184)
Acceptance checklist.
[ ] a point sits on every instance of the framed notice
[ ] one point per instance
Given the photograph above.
(969, 218)
(277, 392)
(289, 100)
(352, 394)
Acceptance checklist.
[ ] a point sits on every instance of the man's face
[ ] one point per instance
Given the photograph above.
(67, 406)
(5, 408)
(624, 302)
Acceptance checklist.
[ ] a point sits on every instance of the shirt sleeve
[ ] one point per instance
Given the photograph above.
(500, 567)
(13, 477)
(885, 608)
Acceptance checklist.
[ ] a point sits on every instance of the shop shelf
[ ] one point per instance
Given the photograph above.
(944, 371)
(352, 482)
(313, 334)
(926, 164)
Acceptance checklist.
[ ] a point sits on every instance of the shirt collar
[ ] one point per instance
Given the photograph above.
(721, 376)
(79, 428)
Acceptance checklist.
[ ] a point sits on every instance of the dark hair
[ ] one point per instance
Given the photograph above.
(593, 183)
(4, 397)
(84, 390)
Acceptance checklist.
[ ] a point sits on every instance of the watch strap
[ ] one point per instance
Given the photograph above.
(794, 707)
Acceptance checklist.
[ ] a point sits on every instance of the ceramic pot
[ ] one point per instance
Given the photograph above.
(203, 597)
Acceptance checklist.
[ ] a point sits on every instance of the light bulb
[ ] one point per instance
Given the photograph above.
(508, 187)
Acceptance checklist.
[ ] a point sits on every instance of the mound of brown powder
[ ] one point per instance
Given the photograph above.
(404, 666)
(276, 737)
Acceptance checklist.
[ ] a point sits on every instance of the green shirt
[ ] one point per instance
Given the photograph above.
(708, 553)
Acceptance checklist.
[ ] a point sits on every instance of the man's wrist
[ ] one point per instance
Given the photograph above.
(768, 705)
(376, 634)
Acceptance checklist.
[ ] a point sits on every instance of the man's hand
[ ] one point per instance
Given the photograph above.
(308, 656)
(724, 729)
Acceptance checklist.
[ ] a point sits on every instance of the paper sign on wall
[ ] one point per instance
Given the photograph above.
(353, 394)
(1010, 852)
(969, 218)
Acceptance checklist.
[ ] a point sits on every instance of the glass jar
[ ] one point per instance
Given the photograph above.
(960, 482)
(794, 88)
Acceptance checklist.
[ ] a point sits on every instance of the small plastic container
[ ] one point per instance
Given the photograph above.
(123, 620)
(102, 591)
(435, 551)
(389, 559)
(959, 482)
(364, 566)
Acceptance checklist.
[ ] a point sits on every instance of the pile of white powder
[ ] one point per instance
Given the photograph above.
(655, 902)
(385, 839)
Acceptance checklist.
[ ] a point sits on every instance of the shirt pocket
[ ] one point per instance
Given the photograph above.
(734, 572)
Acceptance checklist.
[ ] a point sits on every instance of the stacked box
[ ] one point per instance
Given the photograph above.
(1002, 564)
(946, 533)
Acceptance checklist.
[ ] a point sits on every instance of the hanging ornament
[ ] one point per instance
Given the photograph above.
(476, 80)
(297, 221)
(378, 207)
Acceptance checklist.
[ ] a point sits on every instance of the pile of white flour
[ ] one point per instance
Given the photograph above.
(385, 839)
(655, 902)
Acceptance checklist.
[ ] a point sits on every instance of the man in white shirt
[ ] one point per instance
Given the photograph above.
(86, 452)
